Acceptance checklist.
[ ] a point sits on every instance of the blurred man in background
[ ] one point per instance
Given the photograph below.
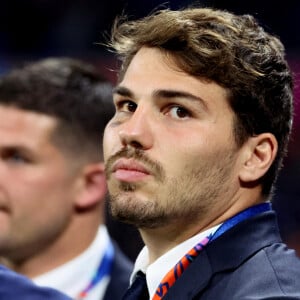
(52, 182)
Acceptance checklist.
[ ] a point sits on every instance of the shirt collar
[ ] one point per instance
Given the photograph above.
(73, 276)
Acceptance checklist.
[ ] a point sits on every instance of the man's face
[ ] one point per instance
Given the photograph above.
(169, 150)
(36, 184)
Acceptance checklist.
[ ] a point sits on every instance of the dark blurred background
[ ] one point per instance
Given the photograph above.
(33, 29)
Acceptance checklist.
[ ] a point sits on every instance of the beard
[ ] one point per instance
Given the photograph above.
(169, 199)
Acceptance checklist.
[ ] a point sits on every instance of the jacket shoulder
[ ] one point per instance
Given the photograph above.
(271, 273)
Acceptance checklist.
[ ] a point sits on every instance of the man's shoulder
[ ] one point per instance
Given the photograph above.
(17, 287)
(283, 263)
(271, 272)
(263, 266)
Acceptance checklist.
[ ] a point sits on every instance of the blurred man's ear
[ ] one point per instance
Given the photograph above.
(93, 186)
(259, 154)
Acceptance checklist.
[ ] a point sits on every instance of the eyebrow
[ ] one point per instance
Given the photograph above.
(123, 91)
(178, 94)
(13, 146)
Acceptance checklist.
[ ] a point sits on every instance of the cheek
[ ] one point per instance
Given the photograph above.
(190, 159)
(105, 146)
(47, 188)
(110, 141)
(186, 153)
(50, 203)
(44, 182)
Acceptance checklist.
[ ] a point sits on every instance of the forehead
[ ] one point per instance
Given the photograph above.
(22, 126)
(152, 70)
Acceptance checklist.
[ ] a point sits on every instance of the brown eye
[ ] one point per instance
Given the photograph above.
(179, 112)
(131, 106)
(126, 106)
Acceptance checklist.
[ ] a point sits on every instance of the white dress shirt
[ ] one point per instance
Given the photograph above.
(72, 277)
(156, 271)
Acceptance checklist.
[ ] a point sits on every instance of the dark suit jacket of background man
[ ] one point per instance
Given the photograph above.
(119, 280)
(249, 261)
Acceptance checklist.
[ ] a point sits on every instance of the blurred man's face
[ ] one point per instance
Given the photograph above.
(170, 151)
(36, 184)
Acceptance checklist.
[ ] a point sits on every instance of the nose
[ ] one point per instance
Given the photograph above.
(136, 131)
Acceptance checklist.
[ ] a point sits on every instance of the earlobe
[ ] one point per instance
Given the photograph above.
(260, 152)
(94, 186)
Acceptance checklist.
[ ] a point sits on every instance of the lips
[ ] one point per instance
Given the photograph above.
(129, 170)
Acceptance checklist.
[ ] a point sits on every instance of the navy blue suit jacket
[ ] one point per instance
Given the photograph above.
(14, 286)
(248, 262)
(119, 281)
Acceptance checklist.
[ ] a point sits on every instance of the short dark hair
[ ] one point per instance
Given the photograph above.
(232, 50)
(70, 90)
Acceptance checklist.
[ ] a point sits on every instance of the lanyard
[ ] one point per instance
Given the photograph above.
(179, 268)
(243, 215)
(104, 269)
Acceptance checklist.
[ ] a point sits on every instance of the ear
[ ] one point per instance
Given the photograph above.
(259, 154)
(93, 186)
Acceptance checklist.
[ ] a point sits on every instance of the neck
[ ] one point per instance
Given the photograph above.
(161, 240)
(72, 242)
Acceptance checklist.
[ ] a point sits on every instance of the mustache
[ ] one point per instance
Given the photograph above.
(139, 155)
